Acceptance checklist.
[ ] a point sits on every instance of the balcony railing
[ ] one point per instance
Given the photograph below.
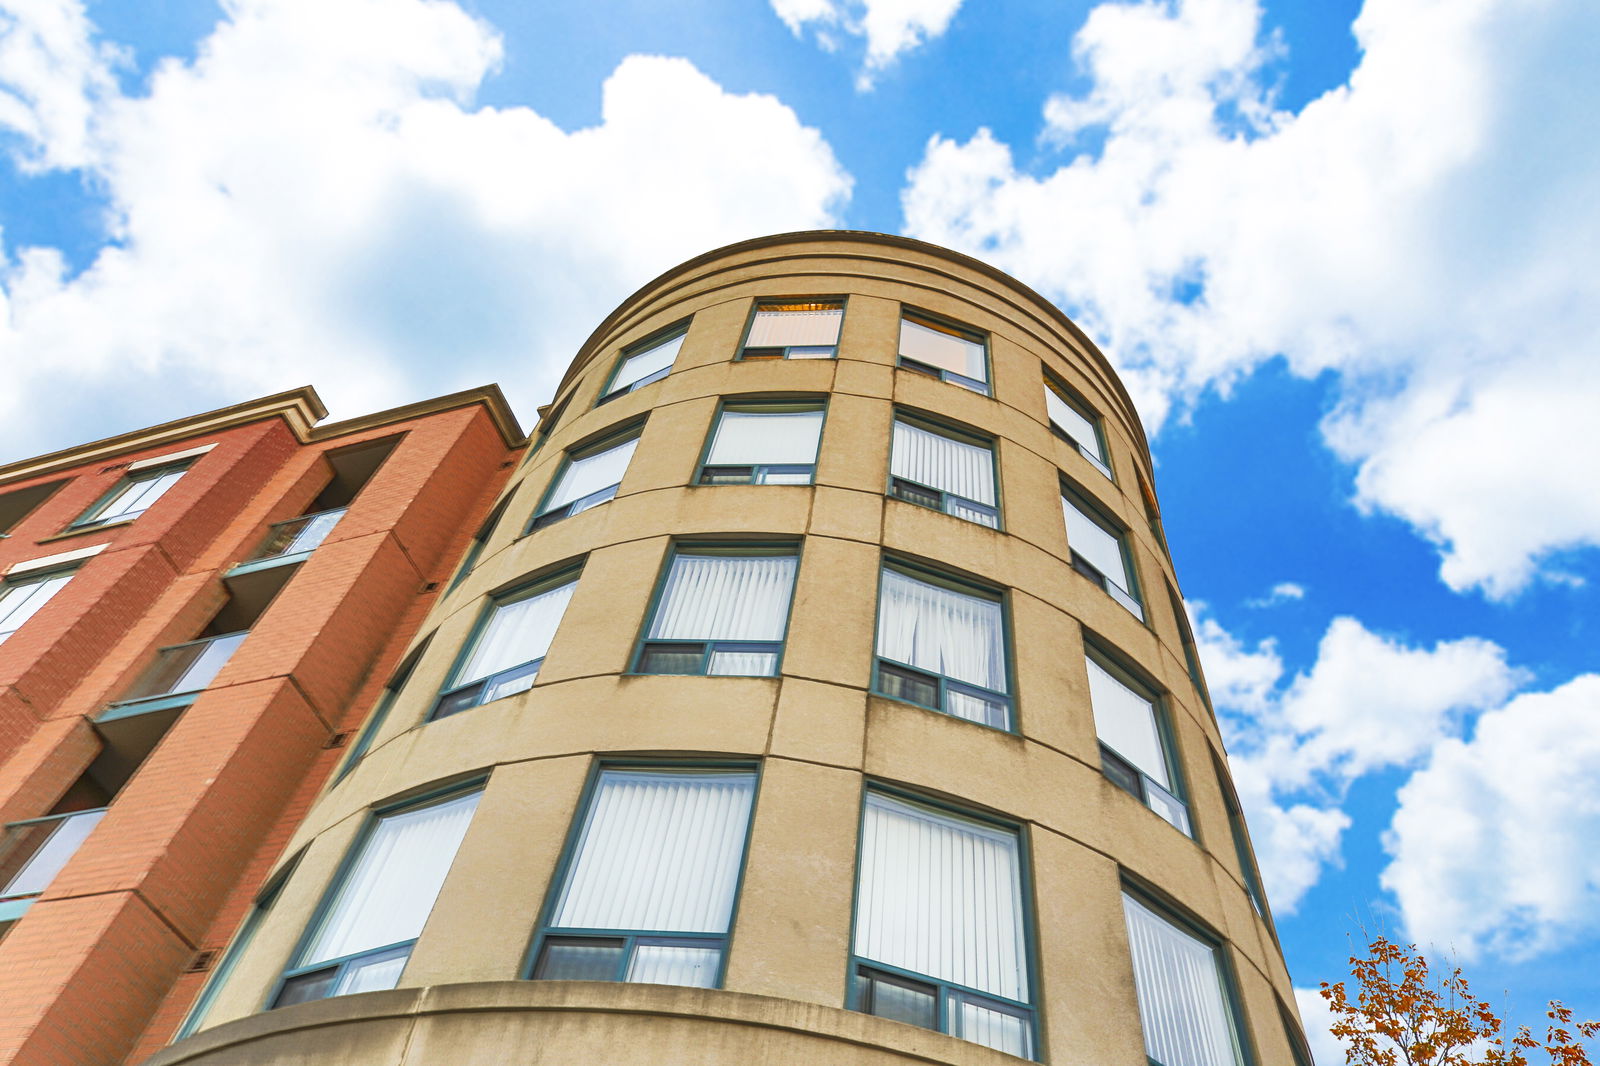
(185, 667)
(33, 852)
(297, 536)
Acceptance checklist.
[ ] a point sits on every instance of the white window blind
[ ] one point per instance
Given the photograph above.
(658, 851)
(1126, 722)
(588, 475)
(765, 437)
(517, 632)
(21, 600)
(1101, 548)
(725, 597)
(641, 365)
(941, 895)
(1073, 424)
(943, 463)
(947, 351)
(780, 327)
(1182, 1003)
(941, 631)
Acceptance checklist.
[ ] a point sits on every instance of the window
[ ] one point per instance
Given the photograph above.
(1191, 654)
(1099, 551)
(721, 612)
(1076, 422)
(946, 471)
(644, 363)
(1241, 842)
(794, 329)
(235, 951)
(763, 444)
(588, 478)
(367, 925)
(651, 879)
(942, 645)
(1133, 747)
(22, 597)
(945, 351)
(391, 692)
(1185, 1005)
(480, 538)
(941, 931)
(132, 496)
(507, 648)
(34, 851)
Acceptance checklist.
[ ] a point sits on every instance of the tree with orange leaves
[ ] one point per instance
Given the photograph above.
(1403, 1016)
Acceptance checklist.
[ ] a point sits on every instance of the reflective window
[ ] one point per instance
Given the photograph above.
(508, 647)
(22, 597)
(648, 362)
(132, 496)
(588, 478)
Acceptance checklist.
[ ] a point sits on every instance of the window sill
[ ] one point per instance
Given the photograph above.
(148, 705)
(271, 562)
(84, 531)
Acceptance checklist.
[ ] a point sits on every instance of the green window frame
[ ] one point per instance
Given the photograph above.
(763, 442)
(1089, 524)
(380, 713)
(933, 465)
(590, 467)
(1191, 652)
(907, 971)
(934, 343)
(480, 538)
(958, 677)
(1241, 843)
(666, 913)
(508, 643)
(645, 362)
(26, 594)
(133, 495)
(1136, 740)
(1075, 421)
(794, 328)
(705, 596)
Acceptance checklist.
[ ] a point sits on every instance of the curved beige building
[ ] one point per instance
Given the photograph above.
(818, 693)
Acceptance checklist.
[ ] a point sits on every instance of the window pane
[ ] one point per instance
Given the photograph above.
(800, 323)
(62, 843)
(675, 964)
(21, 600)
(658, 850)
(905, 685)
(518, 631)
(725, 597)
(768, 438)
(1126, 722)
(386, 894)
(743, 664)
(1074, 425)
(899, 1000)
(306, 987)
(1000, 1029)
(672, 658)
(573, 959)
(586, 476)
(137, 496)
(373, 974)
(1182, 1005)
(942, 462)
(941, 631)
(941, 895)
(642, 364)
(945, 350)
(1089, 539)
(212, 657)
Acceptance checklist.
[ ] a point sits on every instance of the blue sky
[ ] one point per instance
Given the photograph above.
(1346, 256)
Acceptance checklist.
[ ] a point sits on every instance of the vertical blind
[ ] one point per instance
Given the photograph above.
(765, 437)
(941, 631)
(947, 351)
(642, 364)
(659, 851)
(941, 895)
(386, 894)
(1074, 425)
(1126, 722)
(1090, 540)
(779, 327)
(517, 632)
(943, 463)
(22, 600)
(725, 597)
(1182, 1005)
(592, 473)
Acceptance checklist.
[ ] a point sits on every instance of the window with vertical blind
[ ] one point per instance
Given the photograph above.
(649, 884)
(644, 363)
(132, 496)
(721, 611)
(1185, 999)
(1099, 550)
(942, 645)
(944, 469)
(941, 927)
(369, 922)
(507, 646)
(23, 597)
(1076, 423)
(944, 350)
(763, 444)
(794, 329)
(1134, 751)
(589, 477)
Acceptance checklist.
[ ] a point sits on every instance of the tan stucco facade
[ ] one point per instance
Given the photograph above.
(817, 732)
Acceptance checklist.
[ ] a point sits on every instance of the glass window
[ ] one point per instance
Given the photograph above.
(588, 478)
(647, 362)
(721, 612)
(945, 471)
(1241, 841)
(794, 329)
(940, 933)
(230, 958)
(1191, 654)
(1099, 552)
(132, 496)
(1184, 1001)
(763, 444)
(943, 646)
(480, 538)
(1133, 750)
(188, 667)
(368, 924)
(508, 646)
(391, 692)
(1076, 421)
(22, 597)
(948, 352)
(649, 889)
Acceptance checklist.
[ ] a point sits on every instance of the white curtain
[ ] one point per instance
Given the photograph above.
(943, 463)
(1126, 722)
(725, 597)
(1000, 1030)
(1074, 425)
(1090, 540)
(21, 601)
(658, 851)
(517, 632)
(137, 497)
(784, 329)
(943, 350)
(941, 895)
(385, 896)
(643, 364)
(750, 438)
(673, 964)
(592, 473)
(1181, 1001)
(941, 631)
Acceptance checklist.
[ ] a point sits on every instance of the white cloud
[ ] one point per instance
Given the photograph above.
(890, 27)
(1427, 230)
(1282, 592)
(52, 77)
(315, 198)
(1237, 677)
(1317, 1018)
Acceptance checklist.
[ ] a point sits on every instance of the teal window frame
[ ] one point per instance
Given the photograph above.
(941, 324)
(944, 991)
(786, 351)
(34, 577)
(1191, 651)
(631, 939)
(1099, 456)
(642, 347)
(92, 517)
(1122, 772)
(544, 517)
(380, 713)
(933, 499)
(485, 530)
(1241, 844)
(760, 473)
(707, 648)
(1130, 598)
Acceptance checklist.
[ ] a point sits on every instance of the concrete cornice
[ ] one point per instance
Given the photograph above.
(493, 400)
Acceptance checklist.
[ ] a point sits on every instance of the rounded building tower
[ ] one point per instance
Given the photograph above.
(819, 691)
